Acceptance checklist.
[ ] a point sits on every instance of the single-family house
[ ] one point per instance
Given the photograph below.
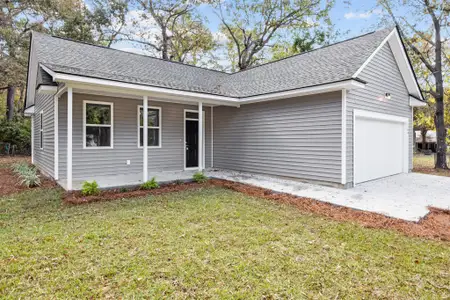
(100, 113)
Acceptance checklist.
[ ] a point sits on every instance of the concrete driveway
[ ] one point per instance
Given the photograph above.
(404, 196)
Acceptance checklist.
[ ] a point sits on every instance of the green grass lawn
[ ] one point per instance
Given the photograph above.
(212, 243)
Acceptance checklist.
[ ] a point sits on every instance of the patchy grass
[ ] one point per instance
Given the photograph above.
(425, 164)
(209, 243)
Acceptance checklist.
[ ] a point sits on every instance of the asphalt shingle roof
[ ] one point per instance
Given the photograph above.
(332, 63)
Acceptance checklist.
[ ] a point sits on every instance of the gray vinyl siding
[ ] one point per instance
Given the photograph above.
(44, 158)
(298, 137)
(88, 163)
(382, 76)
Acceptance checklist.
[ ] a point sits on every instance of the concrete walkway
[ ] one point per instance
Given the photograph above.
(404, 196)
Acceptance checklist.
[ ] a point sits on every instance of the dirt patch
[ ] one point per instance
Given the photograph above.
(436, 225)
(10, 183)
(78, 198)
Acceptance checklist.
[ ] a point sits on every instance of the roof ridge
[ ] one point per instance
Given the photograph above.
(127, 52)
(208, 69)
(306, 52)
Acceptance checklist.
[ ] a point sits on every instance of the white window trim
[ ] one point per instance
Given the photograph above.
(184, 137)
(111, 104)
(149, 127)
(41, 130)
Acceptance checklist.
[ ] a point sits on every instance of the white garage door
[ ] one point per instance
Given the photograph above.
(380, 146)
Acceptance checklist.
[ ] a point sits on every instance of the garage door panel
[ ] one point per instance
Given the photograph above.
(379, 148)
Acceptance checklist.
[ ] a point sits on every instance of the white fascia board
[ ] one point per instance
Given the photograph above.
(401, 59)
(87, 83)
(142, 90)
(324, 88)
(404, 66)
(50, 72)
(413, 102)
(29, 111)
(47, 89)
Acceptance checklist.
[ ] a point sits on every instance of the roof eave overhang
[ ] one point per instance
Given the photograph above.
(45, 89)
(415, 102)
(349, 84)
(95, 84)
(28, 112)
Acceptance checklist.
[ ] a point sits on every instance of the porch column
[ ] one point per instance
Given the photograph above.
(69, 138)
(56, 137)
(145, 138)
(200, 136)
(32, 138)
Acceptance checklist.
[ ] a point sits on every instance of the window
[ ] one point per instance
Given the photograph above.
(154, 127)
(41, 130)
(98, 124)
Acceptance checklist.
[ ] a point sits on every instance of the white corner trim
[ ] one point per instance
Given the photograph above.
(201, 124)
(374, 53)
(47, 89)
(111, 104)
(413, 102)
(149, 127)
(69, 136)
(56, 138)
(344, 138)
(212, 136)
(32, 139)
(145, 141)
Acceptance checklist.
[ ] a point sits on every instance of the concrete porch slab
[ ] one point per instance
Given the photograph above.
(404, 196)
(134, 179)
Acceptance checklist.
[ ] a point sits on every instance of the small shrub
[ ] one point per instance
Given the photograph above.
(200, 177)
(178, 182)
(123, 190)
(20, 168)
(27, 174)
(29, 177)
(90, 188)
(150, 184)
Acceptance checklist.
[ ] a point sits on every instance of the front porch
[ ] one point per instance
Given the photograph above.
(130, 180)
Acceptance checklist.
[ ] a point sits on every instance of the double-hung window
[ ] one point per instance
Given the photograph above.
(41, 130)
(154, 127)
(98, 124)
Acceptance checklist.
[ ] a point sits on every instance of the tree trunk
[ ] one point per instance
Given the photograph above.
(439, 117)
(423, 132)
(10, 103)
(441, 134)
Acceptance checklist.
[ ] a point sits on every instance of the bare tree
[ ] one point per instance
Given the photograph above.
(179, 32)
(438, 14)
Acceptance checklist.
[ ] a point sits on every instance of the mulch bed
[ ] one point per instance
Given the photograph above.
(77, 198)
(10, 183)
(436, 225)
